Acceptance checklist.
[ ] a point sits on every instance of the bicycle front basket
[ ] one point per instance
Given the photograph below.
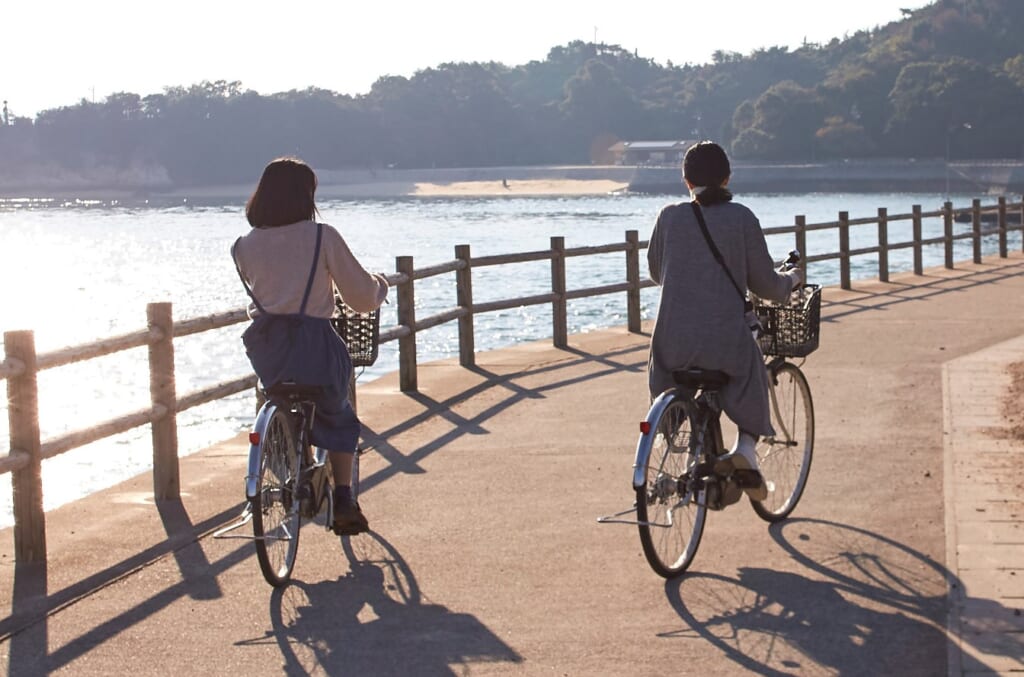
(791, 329)
(359, 331)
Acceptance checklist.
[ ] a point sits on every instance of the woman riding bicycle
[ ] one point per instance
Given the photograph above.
(291, 266)
(700, 320)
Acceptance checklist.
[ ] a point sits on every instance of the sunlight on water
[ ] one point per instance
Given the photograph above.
(79, 270)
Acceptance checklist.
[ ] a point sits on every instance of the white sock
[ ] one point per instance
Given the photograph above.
(746, 446)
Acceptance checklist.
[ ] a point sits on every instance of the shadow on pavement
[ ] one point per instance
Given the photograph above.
(869, 297)
(400, 461)
(374, 621)
(867, 606)
(32, 603)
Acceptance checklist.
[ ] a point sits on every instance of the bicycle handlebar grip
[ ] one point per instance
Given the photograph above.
(792, 260)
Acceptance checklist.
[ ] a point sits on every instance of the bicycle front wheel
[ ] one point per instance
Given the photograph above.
(671, 519)
(275, 507)
(785, 459)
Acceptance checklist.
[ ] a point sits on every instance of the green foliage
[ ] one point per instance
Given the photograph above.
(947, 80)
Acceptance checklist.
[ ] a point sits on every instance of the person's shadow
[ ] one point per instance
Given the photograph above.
(874, 607)
(373, 621)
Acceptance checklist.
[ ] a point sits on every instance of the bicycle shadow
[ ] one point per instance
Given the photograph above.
(374, 620)
(874, 607)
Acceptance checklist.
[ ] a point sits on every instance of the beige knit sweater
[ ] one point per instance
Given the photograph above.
(276, 264)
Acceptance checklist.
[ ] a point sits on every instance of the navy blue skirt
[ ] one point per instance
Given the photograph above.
(306, 350)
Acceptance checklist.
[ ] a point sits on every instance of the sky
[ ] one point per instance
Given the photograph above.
(57, 52)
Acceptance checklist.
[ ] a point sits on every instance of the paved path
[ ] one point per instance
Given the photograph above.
(483, 490)
(984, 513)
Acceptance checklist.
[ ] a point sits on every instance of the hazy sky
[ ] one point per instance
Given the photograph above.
(56, 52)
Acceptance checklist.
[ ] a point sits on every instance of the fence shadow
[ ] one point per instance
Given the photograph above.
(868, 295)
(516, 384)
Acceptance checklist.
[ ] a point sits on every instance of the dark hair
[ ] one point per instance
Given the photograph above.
(284, 194)
(706, 164)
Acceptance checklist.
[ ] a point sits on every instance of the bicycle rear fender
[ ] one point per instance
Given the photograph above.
(252, 476)
(646, 440)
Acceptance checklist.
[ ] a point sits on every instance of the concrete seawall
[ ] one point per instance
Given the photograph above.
(996, 178)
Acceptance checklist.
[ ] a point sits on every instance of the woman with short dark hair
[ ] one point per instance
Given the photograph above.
(700, 320)
(290, 266)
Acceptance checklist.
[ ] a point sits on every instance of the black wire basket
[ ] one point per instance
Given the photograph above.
(359, 331)
(791, 329)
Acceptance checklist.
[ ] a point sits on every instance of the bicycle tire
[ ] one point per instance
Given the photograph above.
(671, 524)
(276, 517)
(785, 458)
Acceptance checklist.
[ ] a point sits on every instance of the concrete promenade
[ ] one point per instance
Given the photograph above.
(905, 556)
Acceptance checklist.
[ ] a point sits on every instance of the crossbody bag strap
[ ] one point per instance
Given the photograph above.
(248, 289)
(714, 250)
(312, 270)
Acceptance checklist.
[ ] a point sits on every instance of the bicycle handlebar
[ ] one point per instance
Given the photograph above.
(792, 260)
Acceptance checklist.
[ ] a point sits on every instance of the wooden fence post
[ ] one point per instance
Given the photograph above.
(918, 263)
(633, 280)
(947, 227)
(844, 250)
(27, 482)
(883, 244)
(464, 299)
(163, 395)
(1022, 224)
(800, 237)
(1003, 253)
(976, 228)
(406, 318)
(559, 321)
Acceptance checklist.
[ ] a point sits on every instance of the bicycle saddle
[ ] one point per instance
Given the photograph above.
(703, 379)
(295, 392)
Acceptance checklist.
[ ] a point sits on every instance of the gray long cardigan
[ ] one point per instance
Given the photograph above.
(700, 316)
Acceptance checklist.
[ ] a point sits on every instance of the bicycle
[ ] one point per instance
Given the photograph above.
(288, 480)
(682, 469)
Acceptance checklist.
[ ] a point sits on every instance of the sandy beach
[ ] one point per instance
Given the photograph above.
(376, 189)
(512, 188)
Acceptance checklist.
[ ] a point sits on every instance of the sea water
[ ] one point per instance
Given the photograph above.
(74, 271)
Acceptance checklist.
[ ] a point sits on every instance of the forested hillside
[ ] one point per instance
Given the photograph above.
(945, 81)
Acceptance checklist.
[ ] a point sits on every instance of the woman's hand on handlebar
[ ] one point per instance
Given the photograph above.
(791, 267)
(797, 276)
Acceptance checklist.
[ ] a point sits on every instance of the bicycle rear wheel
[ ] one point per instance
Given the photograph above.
(785, 459)
(671, 519)
(275, 507)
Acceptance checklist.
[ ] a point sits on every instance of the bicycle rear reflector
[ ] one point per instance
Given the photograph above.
(645, 427)
(254, 438)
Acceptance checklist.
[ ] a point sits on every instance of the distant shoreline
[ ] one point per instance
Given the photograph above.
(994, 178)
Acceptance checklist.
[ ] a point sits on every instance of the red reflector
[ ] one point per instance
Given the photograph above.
(254, 438)
(645, 427)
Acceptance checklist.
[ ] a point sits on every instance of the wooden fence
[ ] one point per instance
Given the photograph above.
(21, 364)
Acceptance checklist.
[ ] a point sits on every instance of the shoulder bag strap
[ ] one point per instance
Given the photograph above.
(312, 270)
(714, 250)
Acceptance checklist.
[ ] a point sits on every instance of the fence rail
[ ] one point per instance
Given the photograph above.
(21, 363)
